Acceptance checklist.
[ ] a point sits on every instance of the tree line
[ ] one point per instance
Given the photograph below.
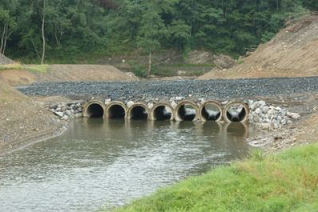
(39, 30)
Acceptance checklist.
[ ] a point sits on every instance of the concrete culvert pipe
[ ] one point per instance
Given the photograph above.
(186, 111)
(236, 112)
(94, 109)
(116, 110)
(138, 111)
(211, 111)
(162, 111)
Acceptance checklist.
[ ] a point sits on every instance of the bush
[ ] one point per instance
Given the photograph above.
(139, 70)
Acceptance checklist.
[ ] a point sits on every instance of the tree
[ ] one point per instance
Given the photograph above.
(311, 4)
(43, 31)
(180, 34)
(38, 30)
(7, 21)
(152, 30)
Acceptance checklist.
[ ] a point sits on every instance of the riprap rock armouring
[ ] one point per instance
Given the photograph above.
(65, 111)
(268, 116)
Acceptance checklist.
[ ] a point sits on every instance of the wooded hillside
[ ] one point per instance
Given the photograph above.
(69, 29)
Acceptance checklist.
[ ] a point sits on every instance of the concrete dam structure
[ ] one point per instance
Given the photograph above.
(185, 110)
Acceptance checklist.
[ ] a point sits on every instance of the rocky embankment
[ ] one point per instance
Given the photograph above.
(143, 90)
(275, 104)
(264, 115)
(66, 111)
(261, 114)
(269, 116)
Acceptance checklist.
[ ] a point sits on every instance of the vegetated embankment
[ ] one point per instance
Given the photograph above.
(284, 182)
(23, 121)
(291, 53)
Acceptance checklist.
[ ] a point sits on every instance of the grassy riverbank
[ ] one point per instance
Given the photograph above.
(284, 182)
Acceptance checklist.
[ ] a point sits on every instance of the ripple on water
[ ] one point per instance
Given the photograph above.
(112, 162)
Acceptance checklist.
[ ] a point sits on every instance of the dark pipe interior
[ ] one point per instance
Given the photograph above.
(162, 113)
(236, 116)
(210, 113)
(186, 112)
(95, 111)
(138, 112)
(116, 112)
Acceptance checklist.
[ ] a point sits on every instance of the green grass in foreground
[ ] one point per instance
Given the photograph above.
(285, 182)
(18, 66)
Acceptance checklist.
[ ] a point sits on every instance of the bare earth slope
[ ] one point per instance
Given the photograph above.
(293, 52)
(66, 73)
(23, 120)
(58, 73)
(17, 77)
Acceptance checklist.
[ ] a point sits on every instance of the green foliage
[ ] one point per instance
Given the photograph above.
(37, 68)
(152, 29)
(79, 29)
(139, 70)
(16, 66)
(311, 4)
(19, 67)
(278, 183)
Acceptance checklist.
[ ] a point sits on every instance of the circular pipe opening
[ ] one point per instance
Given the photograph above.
(186, 111)
(95, 110)
(236, 112)
(138, 112)
(116, 110)
(211, 111)
(162, 112)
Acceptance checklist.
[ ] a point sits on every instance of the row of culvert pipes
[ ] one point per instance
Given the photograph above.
(185, 110)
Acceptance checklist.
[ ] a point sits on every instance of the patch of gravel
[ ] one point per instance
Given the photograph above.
(143, 90)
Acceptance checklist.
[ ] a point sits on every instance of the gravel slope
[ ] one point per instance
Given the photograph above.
(23, 121)
(218, 89)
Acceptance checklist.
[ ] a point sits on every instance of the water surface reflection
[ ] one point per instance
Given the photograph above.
(112, 162)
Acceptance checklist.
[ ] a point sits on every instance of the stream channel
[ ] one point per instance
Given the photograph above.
(109, 163)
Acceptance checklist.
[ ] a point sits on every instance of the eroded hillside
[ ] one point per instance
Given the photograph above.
(293, 52)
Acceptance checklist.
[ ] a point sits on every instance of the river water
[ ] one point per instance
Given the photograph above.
(100, 163)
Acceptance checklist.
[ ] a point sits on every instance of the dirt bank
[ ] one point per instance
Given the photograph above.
(63, 73)
(23, 121)
(17, 77)
(60, 73)
(291, 53)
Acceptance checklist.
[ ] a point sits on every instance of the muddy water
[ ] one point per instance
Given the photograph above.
(110, 163)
